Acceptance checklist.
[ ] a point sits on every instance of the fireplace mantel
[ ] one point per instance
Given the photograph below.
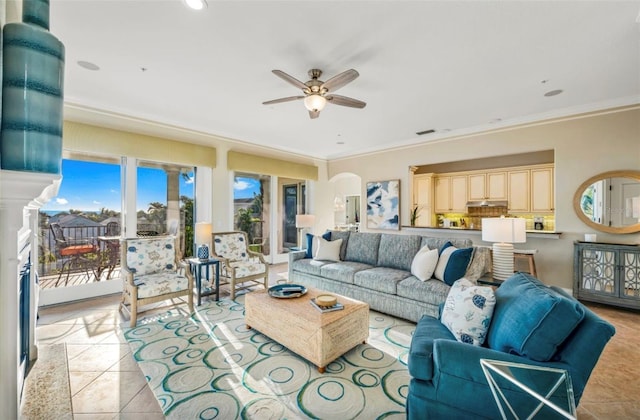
(21, 195)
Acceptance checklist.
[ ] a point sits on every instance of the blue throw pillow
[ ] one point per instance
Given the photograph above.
(531, 319)
(326, 236)
(452, 263)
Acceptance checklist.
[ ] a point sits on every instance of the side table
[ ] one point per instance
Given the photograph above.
(196, 267)
(507, 370)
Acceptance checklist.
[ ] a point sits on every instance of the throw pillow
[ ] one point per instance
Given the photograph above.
(424, 263)
(452, 263)
(310, 241)
(531, 319)
(467, 311)
(328, 250)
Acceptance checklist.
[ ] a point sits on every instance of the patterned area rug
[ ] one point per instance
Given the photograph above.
(210, 366)
(47, 394)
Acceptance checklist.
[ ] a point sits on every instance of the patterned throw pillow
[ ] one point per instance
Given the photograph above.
(424, 263)
(468, 310)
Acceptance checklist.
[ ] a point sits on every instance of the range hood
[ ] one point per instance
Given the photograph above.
(488, 203)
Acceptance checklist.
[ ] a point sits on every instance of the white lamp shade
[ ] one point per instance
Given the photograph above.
(305, 220)
(203, 233)
(504, 230)
(315, 102)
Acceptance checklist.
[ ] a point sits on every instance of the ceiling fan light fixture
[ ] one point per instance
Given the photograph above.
(196, 4)
(315, 102)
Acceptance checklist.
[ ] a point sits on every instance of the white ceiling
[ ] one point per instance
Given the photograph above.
(456, 66)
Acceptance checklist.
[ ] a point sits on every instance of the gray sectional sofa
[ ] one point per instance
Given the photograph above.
(376, 268)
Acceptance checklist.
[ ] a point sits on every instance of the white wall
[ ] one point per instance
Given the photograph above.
(584, 146)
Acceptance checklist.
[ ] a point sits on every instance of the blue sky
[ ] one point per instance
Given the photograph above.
(90, 186)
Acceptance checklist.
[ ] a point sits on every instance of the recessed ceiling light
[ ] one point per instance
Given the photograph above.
(339, 142)
(553, 92)
(196, 4)
(88, 65)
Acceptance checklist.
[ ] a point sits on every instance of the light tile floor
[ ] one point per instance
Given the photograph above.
(104, 378)
(106, 383)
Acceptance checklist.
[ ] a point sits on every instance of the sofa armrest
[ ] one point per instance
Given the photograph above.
(258, 255)
(296, 255)
(420, 360)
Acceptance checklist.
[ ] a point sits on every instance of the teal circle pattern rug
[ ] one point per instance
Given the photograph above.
(210, 366)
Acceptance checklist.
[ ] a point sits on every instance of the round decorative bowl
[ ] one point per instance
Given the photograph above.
(326, 301)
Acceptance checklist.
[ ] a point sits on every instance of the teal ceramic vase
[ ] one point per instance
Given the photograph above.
(32, 93)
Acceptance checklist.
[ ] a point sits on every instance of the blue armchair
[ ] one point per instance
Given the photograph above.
(532, 324)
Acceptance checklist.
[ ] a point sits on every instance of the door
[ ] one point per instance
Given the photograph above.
(290, 206)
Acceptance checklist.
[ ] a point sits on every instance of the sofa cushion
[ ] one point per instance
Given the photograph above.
(344, 235)
(424, 263)
(452, 263)
(312, 240)
(397, 251)
(363, 247)
(420, 359)
(308, 266)
(467, 311)
(531, 319)
(342, 271)
(328, 250)
(382, 279)
(432, 291)
(438, 243)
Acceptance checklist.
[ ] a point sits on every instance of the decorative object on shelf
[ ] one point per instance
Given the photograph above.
(503, 232)
(326, 301)
(32, 93)
(383, 204)
(414, 215)
(304, 221)
(287, 291)
(203, 237)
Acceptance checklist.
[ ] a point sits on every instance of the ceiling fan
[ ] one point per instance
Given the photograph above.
(317, 93)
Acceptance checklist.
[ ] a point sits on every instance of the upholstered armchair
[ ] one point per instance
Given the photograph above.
(532, 325)
(152, 272)
(240, 267)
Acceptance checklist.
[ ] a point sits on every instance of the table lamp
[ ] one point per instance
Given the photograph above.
(304, 221)
(503, 232)
(203, 237)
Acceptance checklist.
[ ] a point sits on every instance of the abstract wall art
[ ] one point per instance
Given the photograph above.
(383, 204)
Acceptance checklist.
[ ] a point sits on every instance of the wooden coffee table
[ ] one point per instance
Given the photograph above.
(296, 324)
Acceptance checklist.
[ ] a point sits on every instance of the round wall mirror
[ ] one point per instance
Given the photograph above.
(610, 202)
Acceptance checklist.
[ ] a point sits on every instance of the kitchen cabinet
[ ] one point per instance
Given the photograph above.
(607, 273)
(542, 200)
(518, 191)
(487, 186)
(422, 184)
(450, 194)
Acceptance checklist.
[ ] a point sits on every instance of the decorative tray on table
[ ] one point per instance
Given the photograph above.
(287, 291)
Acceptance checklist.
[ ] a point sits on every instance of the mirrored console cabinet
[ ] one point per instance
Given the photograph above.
(607, 273)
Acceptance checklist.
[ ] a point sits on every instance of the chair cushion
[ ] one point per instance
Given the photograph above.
(382, 279)
(160, 284)
(342, 271)
(248, 268)
(151, 255)
(531, 319)
(77, 250)
(397, 251)
(467, 311)
(231, 246)
(452, 263)
(363, 248)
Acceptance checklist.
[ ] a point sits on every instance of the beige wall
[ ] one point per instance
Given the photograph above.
(584, 146)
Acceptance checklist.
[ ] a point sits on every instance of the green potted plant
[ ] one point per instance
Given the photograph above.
(414, 215)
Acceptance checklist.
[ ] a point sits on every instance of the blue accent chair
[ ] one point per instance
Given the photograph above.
(532, 324)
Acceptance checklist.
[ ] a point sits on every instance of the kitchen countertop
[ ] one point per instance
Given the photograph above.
(547, 234)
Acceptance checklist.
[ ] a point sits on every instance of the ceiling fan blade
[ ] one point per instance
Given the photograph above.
(287, 99)
(345, 101)
(314, 114)
(295, 82)
(337, 81)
